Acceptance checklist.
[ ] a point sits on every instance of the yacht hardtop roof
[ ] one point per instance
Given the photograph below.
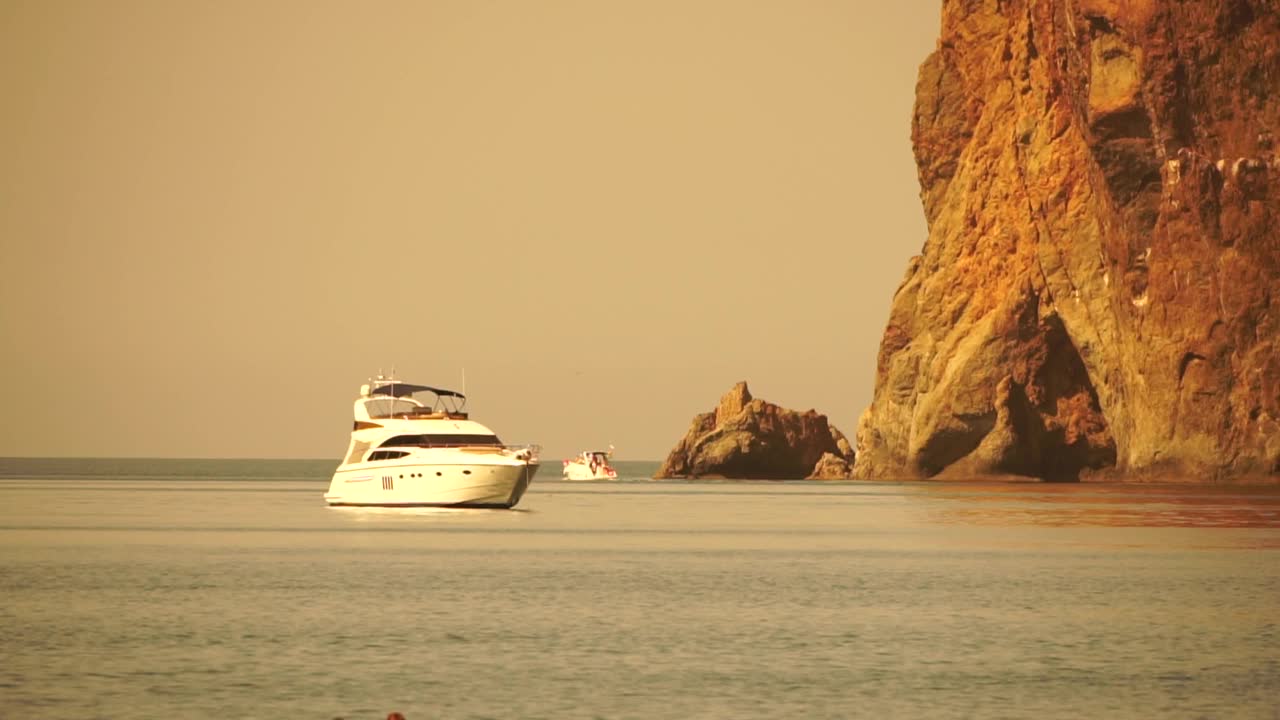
(395, 388)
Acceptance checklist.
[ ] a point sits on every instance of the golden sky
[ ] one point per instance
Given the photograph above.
(219, 218)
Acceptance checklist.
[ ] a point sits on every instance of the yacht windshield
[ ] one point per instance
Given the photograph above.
(385, 407)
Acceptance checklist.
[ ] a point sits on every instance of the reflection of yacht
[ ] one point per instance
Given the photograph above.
(413, 445)
(590, 465)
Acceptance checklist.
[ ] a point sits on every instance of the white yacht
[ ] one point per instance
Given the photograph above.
(590, 465)
(414, 446)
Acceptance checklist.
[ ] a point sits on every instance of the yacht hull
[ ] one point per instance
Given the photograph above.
(463, 485)
(582, 472)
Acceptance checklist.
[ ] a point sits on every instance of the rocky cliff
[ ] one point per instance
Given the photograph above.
(1098, 295)
(748, 438)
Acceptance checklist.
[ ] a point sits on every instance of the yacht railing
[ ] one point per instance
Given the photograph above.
(530, 452)
(523, 451)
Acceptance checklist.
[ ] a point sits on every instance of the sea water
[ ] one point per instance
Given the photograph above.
(227, 589)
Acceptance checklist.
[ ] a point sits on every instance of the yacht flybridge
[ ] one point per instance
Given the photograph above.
(414, 446)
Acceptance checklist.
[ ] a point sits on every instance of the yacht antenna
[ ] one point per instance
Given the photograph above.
(394, 397)
(464, 386)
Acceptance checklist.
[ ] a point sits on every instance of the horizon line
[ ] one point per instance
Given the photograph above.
(157, 457)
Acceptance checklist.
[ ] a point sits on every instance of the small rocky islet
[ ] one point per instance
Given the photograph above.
(1097, 295)
(748, 438)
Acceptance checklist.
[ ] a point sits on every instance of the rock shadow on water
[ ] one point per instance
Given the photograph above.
(1093, 505)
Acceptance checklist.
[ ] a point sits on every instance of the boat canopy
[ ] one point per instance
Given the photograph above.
(399, 389)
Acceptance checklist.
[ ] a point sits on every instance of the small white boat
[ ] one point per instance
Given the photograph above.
(415, 446)
(590, 465)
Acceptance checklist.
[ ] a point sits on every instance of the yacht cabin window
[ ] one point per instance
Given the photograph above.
(440, 440)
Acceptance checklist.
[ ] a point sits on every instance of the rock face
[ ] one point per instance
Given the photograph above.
(746, 438)
(831, 467)
(1099, 294)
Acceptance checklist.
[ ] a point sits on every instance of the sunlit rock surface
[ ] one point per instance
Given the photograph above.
(831, 467)
(748, 438)
(1097, 296)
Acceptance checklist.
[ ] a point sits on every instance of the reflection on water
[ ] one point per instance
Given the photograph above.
(1063, 505)
(392, 512)
(201, 590)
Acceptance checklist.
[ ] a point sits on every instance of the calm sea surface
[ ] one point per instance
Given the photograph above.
(226, 589)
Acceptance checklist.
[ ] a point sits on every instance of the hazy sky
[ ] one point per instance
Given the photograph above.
(219, 218)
